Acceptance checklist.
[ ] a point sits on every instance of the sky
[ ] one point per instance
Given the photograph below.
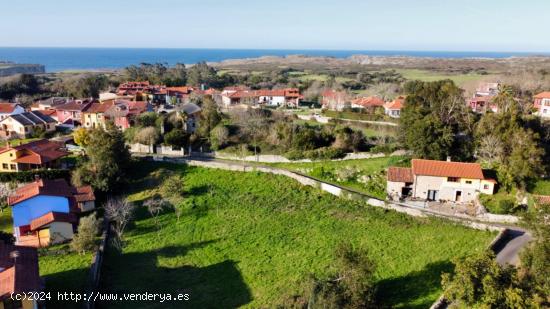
(447, 25)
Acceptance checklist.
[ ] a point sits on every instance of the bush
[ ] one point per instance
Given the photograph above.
(385, 148)
(86, 238)
(219, 137)
(176, 138)
(27, 176)
(323, 153)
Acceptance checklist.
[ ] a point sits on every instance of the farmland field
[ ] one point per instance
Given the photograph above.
(64, 271)
(253, 239)
(430, 76)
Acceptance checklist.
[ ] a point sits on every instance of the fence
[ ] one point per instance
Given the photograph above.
(95, 269)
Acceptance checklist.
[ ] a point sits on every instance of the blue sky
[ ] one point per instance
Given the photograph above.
(459, 25)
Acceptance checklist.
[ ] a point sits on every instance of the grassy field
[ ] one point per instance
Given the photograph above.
(365, 175)
(64, 271)
(542, 187)
(252, 240)
(6, 222)
(430, 76)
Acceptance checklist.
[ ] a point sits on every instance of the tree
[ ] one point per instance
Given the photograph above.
(435, 122)
(147, 136)
(177, 138)
(505, 140)
(121, 212)
(155, 206)
(107, 159)
(81, 137)
(352, 286)
(84, 86)
(86, 238)
(209, 117)
(147, 119)
(23, 84)
(480, 282)
(219, 136)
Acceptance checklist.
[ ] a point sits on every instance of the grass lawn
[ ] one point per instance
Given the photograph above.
(542, 187)
(252, 240)
(430, 76)
(6, 221)
(64, 271)
(365, 175)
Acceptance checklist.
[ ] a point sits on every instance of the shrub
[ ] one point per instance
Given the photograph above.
(27, 176)
(85, 239)
(176, 138)
(147, 136)
(219, 137)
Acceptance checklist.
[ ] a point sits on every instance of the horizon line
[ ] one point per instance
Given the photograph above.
(289, 49)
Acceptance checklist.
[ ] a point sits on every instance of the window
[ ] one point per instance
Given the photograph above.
(13, 166)
(5, 166)
(468, 182)
(452, 179)
(485, 187)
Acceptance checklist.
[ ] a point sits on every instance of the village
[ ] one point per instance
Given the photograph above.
(38, 138)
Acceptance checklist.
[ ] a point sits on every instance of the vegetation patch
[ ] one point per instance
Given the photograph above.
(254, 239)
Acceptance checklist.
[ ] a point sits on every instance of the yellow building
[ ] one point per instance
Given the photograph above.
(34, 155)
(93, 116)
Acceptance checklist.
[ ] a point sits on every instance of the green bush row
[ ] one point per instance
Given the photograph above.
(27, 176)
(323, 153)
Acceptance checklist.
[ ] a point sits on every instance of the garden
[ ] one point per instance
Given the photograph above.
(253, 240)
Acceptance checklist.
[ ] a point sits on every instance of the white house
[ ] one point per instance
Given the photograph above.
(439, 181)
(24, 124)
(393, 108)
(542, 104)
(8, 109)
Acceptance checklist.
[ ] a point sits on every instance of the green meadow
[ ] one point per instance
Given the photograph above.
(252, 240)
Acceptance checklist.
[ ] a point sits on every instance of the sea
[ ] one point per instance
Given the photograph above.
(57, 59)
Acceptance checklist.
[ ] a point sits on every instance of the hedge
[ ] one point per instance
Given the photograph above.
(27, 176)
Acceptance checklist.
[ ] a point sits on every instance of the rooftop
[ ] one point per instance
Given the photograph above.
(447, 169)
(21, 274)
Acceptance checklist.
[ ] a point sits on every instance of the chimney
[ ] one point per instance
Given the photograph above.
(448, 158)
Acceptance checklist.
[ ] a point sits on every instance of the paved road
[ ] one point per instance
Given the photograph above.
(509, 254)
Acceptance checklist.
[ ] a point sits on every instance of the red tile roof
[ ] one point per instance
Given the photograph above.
(97, 108)
(400, 174)
(543, 95)
(75, 106)
(396, 104)
(84, 194)
(446, 169)
(7, 108)
(21, 274)
(57, 187)
(368, 101)
(38, 152)
(51, 217)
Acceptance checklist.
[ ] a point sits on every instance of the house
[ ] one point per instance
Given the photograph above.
(192, 113)
(279, 97)
(248, 97)
(439, 181)
(368, 103)
(44, 211)
(482, 104)
(25, 124)
(393, 108)
(49, 103)
(542, 104)
(8, 109)
(132, 88)
(175, 95)
(94, 115)
(123, 113)
(18, 275)
(487, 90)
(335, 100)
(70, 114)
(34, 155)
